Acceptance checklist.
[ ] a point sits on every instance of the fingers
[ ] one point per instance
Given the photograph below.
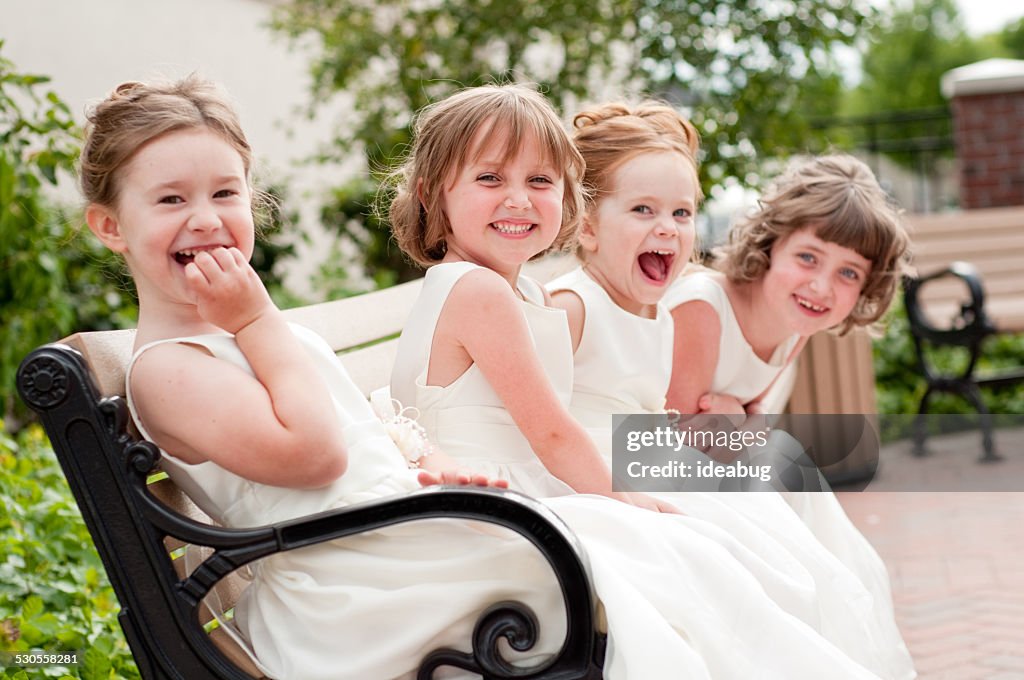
(459, 478)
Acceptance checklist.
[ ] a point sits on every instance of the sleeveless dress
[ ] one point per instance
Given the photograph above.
(740, 372)
(834, 631)
(623, 362)
(744, 375)
(467, 412)
(676, 604)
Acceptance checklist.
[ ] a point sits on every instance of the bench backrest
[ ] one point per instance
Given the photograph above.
(991, 239)
(363, 330)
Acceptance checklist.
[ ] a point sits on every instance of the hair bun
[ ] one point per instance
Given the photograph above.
(127, 89)
(600, 114)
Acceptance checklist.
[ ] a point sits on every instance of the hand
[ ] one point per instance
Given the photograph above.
(459, 478)
(228, 292)
(723, 404)
(440, 468)
(642, 500)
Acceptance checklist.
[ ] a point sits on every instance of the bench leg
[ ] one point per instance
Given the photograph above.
(920, 427)
(972, 392)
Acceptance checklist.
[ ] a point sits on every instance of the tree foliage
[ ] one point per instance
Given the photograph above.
(51, 282)
(749, 73)
(907, 55)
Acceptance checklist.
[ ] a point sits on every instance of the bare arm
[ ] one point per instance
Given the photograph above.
(698, 331)
(278, 427)
(482, 318)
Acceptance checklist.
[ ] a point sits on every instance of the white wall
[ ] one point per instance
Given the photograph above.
(88, 47)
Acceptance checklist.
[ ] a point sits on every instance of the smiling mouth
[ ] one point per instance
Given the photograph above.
(807, 304)
(656, 264)
(513, 228)
(187, 255)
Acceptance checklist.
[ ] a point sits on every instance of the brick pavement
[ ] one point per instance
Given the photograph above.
(955, 559)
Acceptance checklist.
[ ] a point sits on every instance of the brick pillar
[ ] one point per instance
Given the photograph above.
(988, 128)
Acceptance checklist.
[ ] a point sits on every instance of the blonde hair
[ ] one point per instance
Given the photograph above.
(442, 137)
(839, 197)
(612, 134)
(137, 113)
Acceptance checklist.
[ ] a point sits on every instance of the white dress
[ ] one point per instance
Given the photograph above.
(792, 596)
(677, 604)
(744, 375)
(623, 362)
(740, 372)
(467, 412)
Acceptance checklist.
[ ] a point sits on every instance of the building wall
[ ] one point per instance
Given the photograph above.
(88, 48)
(989, 131)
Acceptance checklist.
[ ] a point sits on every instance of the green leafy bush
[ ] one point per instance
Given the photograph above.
(54, 594)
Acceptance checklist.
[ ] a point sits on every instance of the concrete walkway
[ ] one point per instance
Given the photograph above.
(956, 559)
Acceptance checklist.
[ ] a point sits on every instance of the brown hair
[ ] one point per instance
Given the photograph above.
(611, 134)
(442, 136)
(136, 114)
(840, 198)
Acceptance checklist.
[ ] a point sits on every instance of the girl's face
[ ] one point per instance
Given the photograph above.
(638, 237)
(503, 213)
(812, 285)
(182, 193)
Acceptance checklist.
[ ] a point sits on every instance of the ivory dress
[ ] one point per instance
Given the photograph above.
(790, 585)
(744, 375)
(623, 363)
(677, 604)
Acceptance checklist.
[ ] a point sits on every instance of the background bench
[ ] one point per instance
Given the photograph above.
(968, 286)
(145, 529)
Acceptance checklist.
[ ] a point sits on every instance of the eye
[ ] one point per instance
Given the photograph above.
(682, 212)
(171, 200)
(643, 209)
(487, 177)
(225, 193)
(541, 179)
(806, 257)
(849, 273)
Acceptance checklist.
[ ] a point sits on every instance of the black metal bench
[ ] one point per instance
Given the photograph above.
(109, 472)
(968, 329)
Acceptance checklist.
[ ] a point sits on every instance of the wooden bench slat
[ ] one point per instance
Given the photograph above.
(355, 321)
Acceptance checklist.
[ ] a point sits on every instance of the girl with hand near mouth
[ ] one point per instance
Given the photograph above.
(636, 238)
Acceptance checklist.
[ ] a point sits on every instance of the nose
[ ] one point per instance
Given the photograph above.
(820, 283)
(666, 226)
(518, 198)
(204, 217)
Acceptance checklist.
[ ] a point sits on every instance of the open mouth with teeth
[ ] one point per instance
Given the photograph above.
(809, 306)
(513, 228)
(656, 264)
(186, 255)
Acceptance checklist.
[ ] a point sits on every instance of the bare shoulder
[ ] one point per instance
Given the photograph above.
(575, 310)
(480, 291)
(168, 360)
(697, 318)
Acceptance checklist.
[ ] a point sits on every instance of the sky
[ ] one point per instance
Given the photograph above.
(985, 16)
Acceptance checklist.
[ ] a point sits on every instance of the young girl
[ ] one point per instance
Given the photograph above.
(636, 237)
(637, 232)
(259, 423)
(823, 250)
(491, 185)
(489, 369)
